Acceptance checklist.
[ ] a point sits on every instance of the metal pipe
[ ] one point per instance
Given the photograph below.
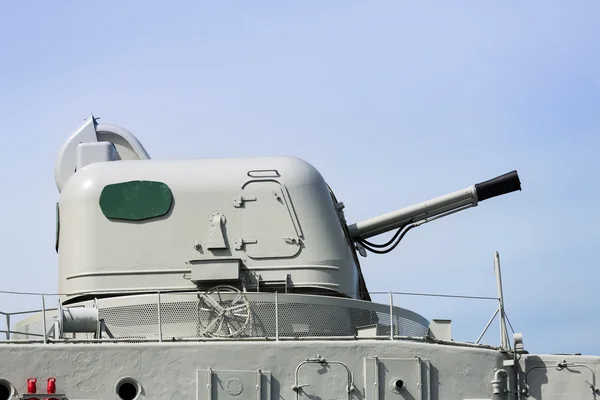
(21, 333)
(44, 319)
(414, 213)
(30, 311)
(504, 341)
(391, 316)
(255, 339)
(159, 318)
(487, 326)
(24, 341)
(276, 318)
(497, 387)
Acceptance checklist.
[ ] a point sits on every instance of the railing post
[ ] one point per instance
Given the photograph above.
(276, 318)
(159, 319)
(44, 319)
(391, 315)
(504, 341)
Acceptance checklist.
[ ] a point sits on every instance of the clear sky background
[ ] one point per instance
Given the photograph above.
(394, 102)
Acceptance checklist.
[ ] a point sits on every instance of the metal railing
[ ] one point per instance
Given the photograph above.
(8, 318)
(158, 326)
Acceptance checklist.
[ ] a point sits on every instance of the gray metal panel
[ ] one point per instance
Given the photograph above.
(214, 384)
(268, 223)
(215, 270)
(169, 370)
(329, 379)
(545, 378)
(397, 378)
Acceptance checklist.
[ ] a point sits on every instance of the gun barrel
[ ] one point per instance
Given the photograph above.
(459, 200)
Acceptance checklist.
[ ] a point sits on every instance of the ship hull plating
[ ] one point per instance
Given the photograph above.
(327, 370)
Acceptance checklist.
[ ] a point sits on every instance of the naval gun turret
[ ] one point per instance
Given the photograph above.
(240, 278)
(130, 224)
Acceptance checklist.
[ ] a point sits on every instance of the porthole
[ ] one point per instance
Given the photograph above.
(397, 385)
(128, 389)
(6, 390)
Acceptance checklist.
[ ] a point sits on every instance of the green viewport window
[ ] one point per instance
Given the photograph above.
(135, 200)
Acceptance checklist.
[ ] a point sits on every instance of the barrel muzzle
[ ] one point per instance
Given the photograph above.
(498, 186)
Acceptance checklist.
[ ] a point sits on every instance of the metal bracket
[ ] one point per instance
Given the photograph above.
(216, 240)
(288, 282)
(258, 384)
(360, 248)
(209, 383)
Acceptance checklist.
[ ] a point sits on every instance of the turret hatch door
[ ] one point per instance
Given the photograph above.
(270, 228)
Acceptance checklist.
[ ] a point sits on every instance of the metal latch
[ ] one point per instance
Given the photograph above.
(295, 388)
(239, 243)
(293, 240)
(238, 201)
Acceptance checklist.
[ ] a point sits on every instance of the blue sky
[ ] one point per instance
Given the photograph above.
(394, 102)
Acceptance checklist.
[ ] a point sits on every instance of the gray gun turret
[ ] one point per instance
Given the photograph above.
(199, 279)
(128, 223)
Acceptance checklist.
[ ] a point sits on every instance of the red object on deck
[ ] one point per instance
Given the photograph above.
(31, 382)
(51, 387)
(31, 386)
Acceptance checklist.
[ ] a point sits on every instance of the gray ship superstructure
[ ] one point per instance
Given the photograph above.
(231, 279)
